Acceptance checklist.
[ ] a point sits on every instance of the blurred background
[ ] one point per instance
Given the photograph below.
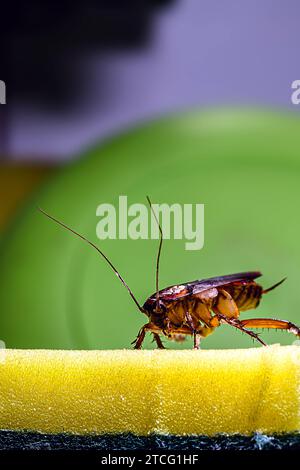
(188, 101)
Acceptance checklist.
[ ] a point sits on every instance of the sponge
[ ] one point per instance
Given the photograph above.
(145, 392)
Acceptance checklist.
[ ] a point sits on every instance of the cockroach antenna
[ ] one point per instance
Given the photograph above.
(158, 255)
(99, 251)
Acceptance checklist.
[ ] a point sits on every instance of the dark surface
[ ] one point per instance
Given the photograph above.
(40, 41)
(12, 440)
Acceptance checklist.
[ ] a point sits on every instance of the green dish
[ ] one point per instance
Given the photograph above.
(244, 165)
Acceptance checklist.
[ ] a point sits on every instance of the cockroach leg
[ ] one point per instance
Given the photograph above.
(214, 322)
(239, 325)
(140, 337)
(196, 336)
(189, 321)
(197, 339)
(142, 333)
(272, 323)
(158, 341)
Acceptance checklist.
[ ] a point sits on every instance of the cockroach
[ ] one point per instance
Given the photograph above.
(197, 308)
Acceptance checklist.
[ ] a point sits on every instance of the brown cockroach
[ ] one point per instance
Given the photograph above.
(196, 308)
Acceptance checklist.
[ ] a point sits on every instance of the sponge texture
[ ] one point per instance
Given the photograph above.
(144, 392)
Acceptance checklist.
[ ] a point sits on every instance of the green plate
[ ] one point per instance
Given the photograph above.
(55, 291)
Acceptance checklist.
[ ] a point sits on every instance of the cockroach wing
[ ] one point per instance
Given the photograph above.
(199, 286)
(195, 287)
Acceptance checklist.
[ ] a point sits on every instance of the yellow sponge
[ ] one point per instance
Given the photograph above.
(176, 392)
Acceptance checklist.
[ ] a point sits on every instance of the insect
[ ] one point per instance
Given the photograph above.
(197, 308)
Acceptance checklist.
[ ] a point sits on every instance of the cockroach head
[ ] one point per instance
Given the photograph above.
(151, 307)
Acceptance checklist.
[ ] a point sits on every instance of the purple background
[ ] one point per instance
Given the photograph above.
(202, 53)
